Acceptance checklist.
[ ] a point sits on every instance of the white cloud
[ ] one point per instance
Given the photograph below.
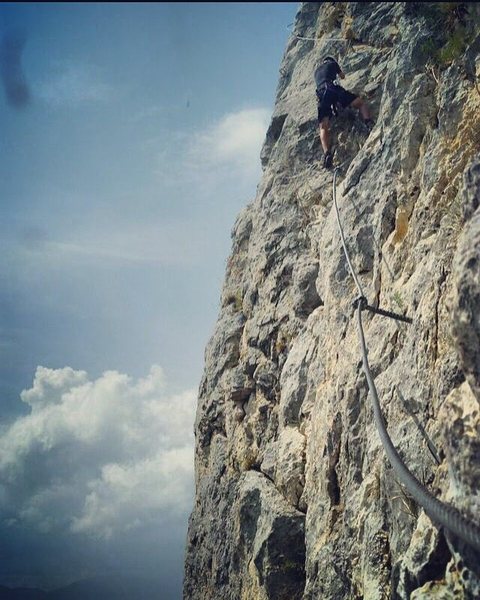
(74, 85)
(221, 160)
(50, 385)
(235, 140)
(98, 457)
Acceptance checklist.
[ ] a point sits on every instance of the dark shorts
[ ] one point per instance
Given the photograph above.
(329, 97)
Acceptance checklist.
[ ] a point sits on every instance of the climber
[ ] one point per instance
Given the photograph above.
(329, 96)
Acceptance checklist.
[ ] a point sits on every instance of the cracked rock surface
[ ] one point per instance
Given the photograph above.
(294, 496)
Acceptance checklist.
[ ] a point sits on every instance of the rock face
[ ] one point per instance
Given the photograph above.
(295, 498)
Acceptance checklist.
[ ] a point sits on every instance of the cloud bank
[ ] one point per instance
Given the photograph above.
(100, 457)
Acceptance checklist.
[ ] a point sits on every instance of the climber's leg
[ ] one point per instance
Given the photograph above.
(325, 134)
(325, 139)
(362, 106)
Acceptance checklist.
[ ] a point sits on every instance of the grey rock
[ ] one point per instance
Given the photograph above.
(274, 541)
(305, 294)
(295, 497)
(466, 324)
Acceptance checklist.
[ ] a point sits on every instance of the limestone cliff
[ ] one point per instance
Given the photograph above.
(295, 497)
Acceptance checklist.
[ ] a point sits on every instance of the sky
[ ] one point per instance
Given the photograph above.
(130, 141)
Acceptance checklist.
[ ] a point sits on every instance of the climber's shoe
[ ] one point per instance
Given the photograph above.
(328, 160)
(368, 124)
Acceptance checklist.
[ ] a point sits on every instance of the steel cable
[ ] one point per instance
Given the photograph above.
(442, 514)
(347, 256)
(314, 39)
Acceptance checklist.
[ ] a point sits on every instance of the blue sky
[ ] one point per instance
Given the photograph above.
(120, 181)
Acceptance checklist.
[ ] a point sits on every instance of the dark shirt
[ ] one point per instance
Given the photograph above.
(326, 72)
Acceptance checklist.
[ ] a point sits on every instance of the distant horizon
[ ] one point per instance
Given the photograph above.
(116, 584)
